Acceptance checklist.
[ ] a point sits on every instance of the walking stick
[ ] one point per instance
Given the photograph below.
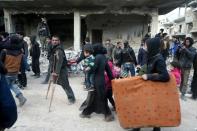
(52, 94)
(49, 86)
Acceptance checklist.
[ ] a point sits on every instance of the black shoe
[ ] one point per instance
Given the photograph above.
(136, 129)
(71, 102)
(84, 116)
(113, 109)
(33, 75)
(37, 76)
(44, 82)
(90, 88)
(109, 118)
(156, 129)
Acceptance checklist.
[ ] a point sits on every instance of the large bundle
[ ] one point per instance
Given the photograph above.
(142, 103)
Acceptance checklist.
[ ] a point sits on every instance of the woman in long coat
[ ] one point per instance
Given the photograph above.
(35, 54)
(96, 100)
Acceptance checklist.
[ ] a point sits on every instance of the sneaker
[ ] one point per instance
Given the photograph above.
(183, 98)
(21, 99)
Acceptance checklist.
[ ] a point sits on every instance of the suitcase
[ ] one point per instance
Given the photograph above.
(141, 103)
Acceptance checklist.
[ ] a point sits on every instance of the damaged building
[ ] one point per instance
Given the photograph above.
(73, 20)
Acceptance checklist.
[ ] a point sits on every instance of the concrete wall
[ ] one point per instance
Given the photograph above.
(119, 27)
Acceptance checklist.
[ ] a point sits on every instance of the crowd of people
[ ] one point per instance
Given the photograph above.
(102, 63)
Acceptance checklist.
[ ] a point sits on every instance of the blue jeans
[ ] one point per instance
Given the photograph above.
(129, 67)
(11, 79)
(89, 80)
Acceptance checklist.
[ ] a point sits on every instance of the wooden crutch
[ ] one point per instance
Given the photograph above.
(52, 94)
(49, 86)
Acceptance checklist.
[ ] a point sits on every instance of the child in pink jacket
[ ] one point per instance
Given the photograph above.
(176, 71)
(108, 85)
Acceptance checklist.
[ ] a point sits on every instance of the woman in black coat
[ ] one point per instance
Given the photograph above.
(35, 54)
(156, 67)
(194, 81)
(96, 100)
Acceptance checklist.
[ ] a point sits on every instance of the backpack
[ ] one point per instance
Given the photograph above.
(12, 63)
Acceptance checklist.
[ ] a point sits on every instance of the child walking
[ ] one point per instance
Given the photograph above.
(108, 85)
(176, 71)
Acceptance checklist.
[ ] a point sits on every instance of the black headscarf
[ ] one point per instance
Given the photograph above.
(99, 49)
(153, 46)
(33, 39)
(14, 40)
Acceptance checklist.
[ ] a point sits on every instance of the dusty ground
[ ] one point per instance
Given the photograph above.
(34, 115)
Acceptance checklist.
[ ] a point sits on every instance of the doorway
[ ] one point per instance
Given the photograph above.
(97, 36)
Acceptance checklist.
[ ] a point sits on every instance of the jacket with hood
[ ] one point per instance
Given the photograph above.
(142, 57)
(185, 56)
(7, 45)
(128, 55)
(156, 66)
(12, 58)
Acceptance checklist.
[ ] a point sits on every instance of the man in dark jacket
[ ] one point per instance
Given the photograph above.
(128, 59)
(185, 55)
(22, 78)
(142, 54)
(43, 32)
(156, 67)
(116, 54)
(109, 46)
(59, 70)
(35, 54)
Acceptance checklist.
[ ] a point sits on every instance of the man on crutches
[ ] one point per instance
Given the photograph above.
(59, 69)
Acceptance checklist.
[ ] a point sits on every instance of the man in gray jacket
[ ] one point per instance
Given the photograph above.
(59, 70)
(185, 56)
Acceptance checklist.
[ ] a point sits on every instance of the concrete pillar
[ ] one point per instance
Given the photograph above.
(194, 29)
(8, 21)
(77, 31)
(154, 23)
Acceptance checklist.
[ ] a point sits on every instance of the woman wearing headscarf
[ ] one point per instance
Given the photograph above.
(96, 100)
(156, 67)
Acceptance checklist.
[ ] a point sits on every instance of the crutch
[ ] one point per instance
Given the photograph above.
(52, 94)
(49, 86)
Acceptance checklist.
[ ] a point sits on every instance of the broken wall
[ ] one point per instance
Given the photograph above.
(119, 27)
